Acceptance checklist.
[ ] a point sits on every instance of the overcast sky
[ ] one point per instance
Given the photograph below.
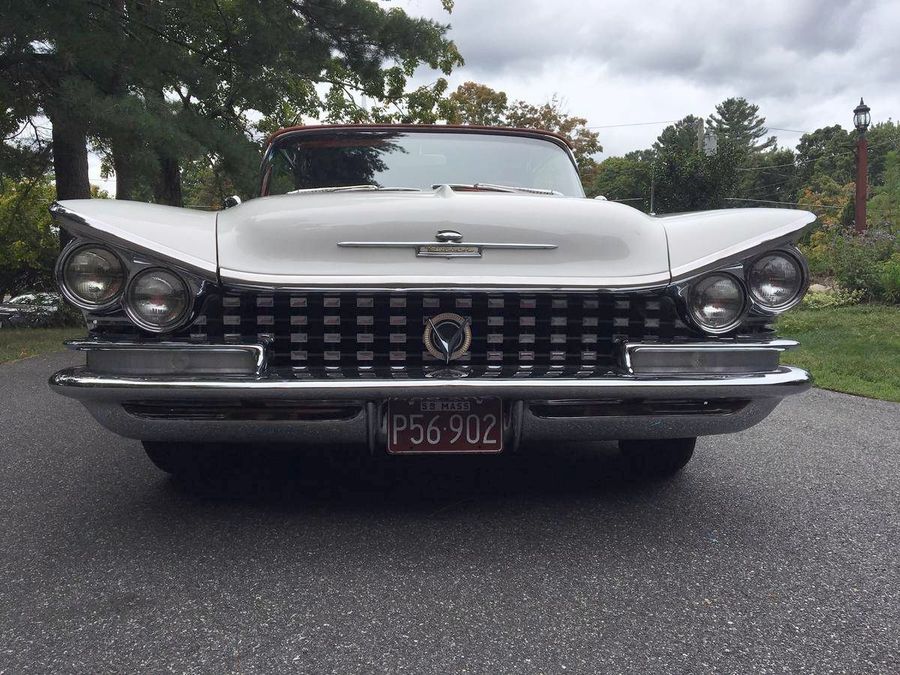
(804, 62)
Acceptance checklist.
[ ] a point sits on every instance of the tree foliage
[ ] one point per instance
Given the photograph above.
(826, 152)
(884, 207)
(474, 103)
(737, 122)
(884, 137)
(553, 117)
(29, 243)
(829, 200)
(624, 179)
(157, 84)
(479, 104)
(686, 178)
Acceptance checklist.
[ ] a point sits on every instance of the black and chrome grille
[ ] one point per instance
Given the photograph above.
(358, 334)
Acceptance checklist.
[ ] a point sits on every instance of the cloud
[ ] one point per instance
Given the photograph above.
(805, 62)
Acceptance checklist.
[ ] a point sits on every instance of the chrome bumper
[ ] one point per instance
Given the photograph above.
(144, 391)
(84, 385)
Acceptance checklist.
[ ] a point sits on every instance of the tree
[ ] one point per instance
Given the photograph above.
(826, 152)
(831, 201)
(884, 206)
(156, 84)
(206, 183)
(29, 243)
(680, 138)
(737, 122)
(623, 179)
(686, 178)
(474, 103)
(883, 138)
(552, 117)
(769, 176)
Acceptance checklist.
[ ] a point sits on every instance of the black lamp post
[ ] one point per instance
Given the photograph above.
(861, 120)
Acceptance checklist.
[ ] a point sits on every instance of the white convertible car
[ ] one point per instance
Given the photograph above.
(427, 289)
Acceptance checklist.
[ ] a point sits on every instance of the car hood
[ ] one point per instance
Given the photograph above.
(293, 240)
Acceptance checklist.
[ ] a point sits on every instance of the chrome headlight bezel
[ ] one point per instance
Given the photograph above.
(60, 273)
(698, 323)
(183, 317)
(799, 262)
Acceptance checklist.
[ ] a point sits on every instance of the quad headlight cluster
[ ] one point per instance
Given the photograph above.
(95, 278)
(768, 284)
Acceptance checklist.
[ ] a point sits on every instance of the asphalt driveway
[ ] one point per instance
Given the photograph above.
(777, 550)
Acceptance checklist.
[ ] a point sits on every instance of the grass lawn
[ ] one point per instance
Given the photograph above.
(851, 349)
(20, 343)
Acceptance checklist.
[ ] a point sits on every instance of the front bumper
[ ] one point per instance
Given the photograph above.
(266, 406)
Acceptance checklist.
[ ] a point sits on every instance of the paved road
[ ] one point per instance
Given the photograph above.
(775, 551)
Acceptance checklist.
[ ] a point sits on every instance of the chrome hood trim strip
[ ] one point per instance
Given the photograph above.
(337, 282)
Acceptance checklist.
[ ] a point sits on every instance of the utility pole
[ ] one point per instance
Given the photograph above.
(861, 119)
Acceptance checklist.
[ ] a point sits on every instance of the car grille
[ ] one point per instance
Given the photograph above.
(355, 334)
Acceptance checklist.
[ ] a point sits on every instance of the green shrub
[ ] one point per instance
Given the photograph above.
(68, 315)
(857, 261)
(838, 298)
(889, 279)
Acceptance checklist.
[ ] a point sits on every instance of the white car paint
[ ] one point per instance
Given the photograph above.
(292, 240)
(699, 240)
(185, 235)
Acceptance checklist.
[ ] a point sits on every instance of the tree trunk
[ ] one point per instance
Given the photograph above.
(123, 165)
(168, 185)
(121, 145)
(70, 160)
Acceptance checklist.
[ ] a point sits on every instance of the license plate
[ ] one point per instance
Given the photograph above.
(445, 425)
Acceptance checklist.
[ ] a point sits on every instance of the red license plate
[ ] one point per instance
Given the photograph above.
(445, 425)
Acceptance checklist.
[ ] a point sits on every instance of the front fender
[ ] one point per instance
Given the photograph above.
(708, 239)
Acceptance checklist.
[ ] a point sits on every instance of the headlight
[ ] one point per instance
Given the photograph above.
(717, 302)
(775, 280)
(157, 300)
(92, 277)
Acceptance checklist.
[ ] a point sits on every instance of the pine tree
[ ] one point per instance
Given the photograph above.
(737, 122)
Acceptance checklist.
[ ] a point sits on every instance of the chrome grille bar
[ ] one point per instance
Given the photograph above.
(379, 334)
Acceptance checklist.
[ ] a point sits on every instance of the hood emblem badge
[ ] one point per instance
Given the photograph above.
(449, 245)
(447, 336)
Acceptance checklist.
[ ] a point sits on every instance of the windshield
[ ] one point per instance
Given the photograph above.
(403, 159)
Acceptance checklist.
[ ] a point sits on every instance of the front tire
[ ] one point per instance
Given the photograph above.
(657, 458)
(181, 459)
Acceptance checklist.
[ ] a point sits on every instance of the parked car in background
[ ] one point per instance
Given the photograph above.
(428, 290)
(30, 309)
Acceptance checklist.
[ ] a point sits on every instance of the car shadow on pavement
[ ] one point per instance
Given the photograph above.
(350, 477)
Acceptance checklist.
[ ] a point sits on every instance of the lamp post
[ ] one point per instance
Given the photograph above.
(861, 119)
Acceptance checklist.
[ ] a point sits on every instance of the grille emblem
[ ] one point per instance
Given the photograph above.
(447, 336)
